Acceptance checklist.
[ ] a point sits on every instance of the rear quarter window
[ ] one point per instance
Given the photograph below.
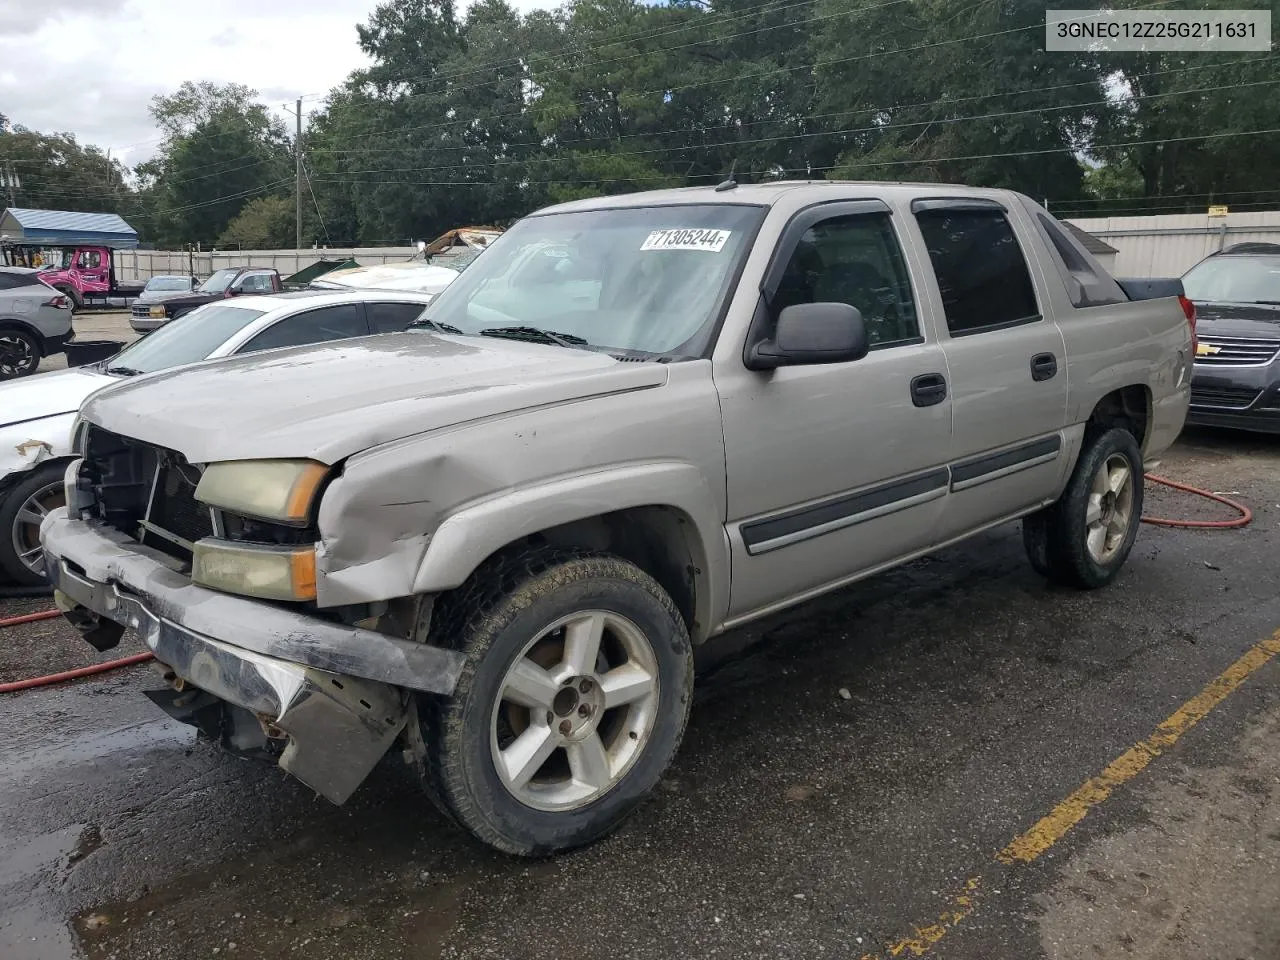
(1088, 285)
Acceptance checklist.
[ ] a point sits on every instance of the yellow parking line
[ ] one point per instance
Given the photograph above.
(1026, 847)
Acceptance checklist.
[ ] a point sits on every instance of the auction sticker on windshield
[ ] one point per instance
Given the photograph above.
(712, 241)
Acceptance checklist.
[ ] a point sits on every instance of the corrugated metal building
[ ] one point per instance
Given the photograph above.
(1169, 245)
(58, 227)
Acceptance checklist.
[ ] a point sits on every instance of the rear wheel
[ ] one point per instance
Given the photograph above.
(572, 703)
(77, 301)
(1084, 539)
(19, 354)
(21, 512)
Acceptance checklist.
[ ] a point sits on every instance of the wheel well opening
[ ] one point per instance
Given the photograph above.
(661, 541)
(20, 327)
(1128, 408)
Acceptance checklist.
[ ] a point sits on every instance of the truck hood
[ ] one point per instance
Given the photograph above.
(1238, 320)
(191, 299)
(161, 296)
(328, 401)
(30, 398)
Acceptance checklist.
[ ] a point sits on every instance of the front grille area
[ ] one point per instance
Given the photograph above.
(1240, 351)
(1236, 398)
(145, 492)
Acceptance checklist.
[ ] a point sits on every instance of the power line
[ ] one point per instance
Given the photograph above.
(824, 133)
(625, 39)
(611, 138)
(1163, 196)
(922, 161)
(671, 90)
(1141, 211)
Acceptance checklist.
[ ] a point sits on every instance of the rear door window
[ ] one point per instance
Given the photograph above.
(982, 273)
(339, 322)
(389, 317)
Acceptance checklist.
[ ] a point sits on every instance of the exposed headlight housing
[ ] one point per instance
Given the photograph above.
(270, 573)
(279, 490)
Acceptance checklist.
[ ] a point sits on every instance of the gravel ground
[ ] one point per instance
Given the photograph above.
(798, 820)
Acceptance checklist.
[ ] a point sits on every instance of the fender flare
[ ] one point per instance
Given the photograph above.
(482, 528)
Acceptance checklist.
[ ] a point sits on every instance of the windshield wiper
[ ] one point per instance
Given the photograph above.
(1270, 303)
(536, 334)
(125, 371)
(435, 325)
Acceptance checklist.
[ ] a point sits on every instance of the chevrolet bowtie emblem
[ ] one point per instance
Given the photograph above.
(1206, 350)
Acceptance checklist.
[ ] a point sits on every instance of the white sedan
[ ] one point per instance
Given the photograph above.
(36, 413)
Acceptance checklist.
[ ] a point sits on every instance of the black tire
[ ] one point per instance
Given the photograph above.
(492, 619)
(1056, 538)
(11, 538)
(77, 301)
(20, 353)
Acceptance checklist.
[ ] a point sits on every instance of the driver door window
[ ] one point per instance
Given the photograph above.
(339, 322)
(854, 260)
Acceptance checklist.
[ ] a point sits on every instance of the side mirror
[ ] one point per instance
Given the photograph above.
(809, 333)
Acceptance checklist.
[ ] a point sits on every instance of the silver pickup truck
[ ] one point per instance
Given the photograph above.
(633, 423)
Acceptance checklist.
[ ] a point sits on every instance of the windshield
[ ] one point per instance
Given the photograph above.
(1234, 280)
(643, 279)
(187, 339)
(167, 284)
(219, 281)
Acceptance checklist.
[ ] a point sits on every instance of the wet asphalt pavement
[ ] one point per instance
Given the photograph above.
(796, 822)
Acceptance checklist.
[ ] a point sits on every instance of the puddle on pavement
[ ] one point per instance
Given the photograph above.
(31, 928)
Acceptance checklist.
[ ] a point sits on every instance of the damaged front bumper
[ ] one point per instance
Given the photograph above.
(327, 699)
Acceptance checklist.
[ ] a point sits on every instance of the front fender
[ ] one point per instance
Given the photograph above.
(25, 446)
(466, 538)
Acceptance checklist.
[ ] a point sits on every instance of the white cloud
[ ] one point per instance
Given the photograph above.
(90, 67)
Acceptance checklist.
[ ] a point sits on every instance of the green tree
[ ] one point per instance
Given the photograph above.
(54, 171)
(221, 149)
(266, 223)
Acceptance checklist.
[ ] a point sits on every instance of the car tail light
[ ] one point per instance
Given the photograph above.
(1189, 310)
(61, 301)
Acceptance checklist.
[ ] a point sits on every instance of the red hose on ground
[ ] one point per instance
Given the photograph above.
(73, 674)
(1246, 515)
(30, 618)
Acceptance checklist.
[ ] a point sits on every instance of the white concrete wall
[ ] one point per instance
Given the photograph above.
(1157, 246)
(144, 264)
(1168, 245)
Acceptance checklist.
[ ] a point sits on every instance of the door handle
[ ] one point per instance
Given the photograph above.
(1043, 366)
(928, 389)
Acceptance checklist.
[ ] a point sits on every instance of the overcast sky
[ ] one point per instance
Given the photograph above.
(90, 67)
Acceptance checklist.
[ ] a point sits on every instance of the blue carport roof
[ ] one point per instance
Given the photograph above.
(65, 227)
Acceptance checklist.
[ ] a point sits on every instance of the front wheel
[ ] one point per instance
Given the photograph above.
(572, 702)
(1084, 538)
(22, 510)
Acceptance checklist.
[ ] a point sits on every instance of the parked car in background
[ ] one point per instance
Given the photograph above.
(230, 282)
(35, 321)
(633, 423)
(36, 414)
(416, 275)
(166, 287)
(1236, 382)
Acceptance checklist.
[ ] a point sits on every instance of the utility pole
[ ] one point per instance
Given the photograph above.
(12, 182)
(297, 149)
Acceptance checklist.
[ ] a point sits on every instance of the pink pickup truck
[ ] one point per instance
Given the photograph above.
(86, 274)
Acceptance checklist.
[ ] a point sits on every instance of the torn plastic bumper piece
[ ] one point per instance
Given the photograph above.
(329, 727)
